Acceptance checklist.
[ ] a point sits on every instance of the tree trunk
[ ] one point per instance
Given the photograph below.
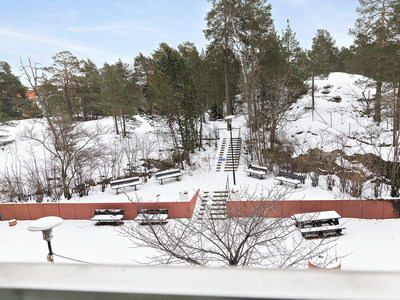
(377, 102)
(228, 102)
(123, 124)
(67, 193)
(312, 93)
(272, 134)
(84, 110)
(116, 124)
(68, 98)
(175, 142)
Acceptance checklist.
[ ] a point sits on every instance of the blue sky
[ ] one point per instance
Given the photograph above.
(105, 31)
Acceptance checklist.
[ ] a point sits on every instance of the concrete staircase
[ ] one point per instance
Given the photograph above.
(222, 154)
(226, 151)
(233, 155)
(213, 205)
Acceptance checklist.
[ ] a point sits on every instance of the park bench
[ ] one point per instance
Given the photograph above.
(316, 219)
(151, 216)
(108, 216)
(167, 174)
(256, 170)
(290, 178)
(124, 183)
(321, 231)
(318, 224)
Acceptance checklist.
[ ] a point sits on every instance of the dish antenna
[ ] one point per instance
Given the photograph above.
(46, 225)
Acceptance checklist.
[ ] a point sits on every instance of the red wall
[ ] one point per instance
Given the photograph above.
(85, 211)
(360, 209)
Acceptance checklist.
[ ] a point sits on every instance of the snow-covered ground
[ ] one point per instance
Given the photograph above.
(366, 244)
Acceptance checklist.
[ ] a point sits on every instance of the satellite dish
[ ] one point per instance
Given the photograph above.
(45, 225)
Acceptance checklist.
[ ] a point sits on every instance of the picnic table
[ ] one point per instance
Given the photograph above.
(316, 219)
(321, 231)
(108, 216)
(152, 216)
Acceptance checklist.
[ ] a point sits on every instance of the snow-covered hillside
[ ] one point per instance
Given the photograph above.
(321, 131)
(338, 115)
(335, 124)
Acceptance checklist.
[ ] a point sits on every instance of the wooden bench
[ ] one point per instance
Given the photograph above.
(108, 216)
(124, 183)
(290, 178)
(256, 170)
(151, 216)
(322, 231)
(168, 174)
(316, 219)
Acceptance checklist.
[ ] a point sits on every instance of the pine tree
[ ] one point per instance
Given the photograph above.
(219, 31)
(372, 32)
(64, 67)
(118, 88)
(144, 69)
(12, 94)
(88, 88)
(322, 58)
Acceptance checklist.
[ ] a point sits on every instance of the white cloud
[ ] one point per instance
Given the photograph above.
(113, 28)
(42, 47)
(153, 31)
(34, 37)
(121, 29)
(298, 2)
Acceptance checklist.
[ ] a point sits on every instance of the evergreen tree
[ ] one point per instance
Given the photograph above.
(64, 67)
(118, 87)
(12, 94)
(219, 31)
(173, 70)
(280, 87)
(372, 32)
(88, 90)
(144, 69)
(322, 58)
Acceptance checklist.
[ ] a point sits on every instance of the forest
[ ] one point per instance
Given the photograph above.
(248, 68)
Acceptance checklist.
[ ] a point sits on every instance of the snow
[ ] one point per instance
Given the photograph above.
(323, 215)
(367, 245)
(45, 223)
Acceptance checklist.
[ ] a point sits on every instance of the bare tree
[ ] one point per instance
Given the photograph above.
(250, 235)
(33, 73)
(76, 146)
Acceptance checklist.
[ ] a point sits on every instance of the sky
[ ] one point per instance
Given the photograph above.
(106, 31)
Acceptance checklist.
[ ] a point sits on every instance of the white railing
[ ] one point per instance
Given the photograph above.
(52, 281)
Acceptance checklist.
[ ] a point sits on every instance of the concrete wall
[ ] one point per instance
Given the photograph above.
(85, 211)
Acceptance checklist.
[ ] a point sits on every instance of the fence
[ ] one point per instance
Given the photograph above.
(85, 211)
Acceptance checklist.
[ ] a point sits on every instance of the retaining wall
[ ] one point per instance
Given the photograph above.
(360, 209)
(85, 211)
